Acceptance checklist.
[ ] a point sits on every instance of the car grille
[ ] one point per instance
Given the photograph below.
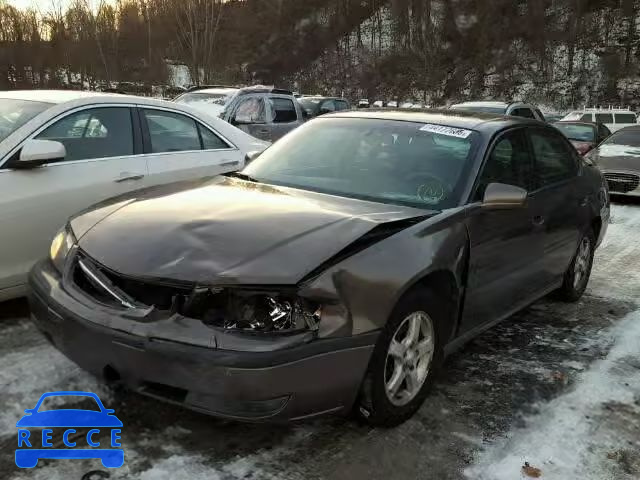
(115, 290)
(622, 182)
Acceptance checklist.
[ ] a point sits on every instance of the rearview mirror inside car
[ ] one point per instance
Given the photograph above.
(501, 195)
(35, 153)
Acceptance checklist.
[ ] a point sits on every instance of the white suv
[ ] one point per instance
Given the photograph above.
(516, 109)
(612, 119)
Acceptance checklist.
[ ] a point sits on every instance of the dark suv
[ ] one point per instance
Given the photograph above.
(314, 106)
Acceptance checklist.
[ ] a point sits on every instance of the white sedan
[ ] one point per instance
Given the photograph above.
(62, 151)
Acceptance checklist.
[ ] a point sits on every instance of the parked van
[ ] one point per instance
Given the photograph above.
(613, 119)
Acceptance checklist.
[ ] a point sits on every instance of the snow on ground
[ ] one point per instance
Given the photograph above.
(575, 435)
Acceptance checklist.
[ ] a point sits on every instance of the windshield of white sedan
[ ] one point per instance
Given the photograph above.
(403, 163)
(15, 113)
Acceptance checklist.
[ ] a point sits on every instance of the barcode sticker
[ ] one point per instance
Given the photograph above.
(444, 130)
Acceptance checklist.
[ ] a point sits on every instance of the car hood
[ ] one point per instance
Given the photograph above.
(617, 157)
(228, 231)
(69, 418)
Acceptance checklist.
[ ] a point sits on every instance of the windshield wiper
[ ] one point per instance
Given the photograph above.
(241, 176)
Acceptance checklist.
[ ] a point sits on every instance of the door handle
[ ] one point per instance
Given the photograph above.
(538, 220)
(228, 163)
(125, 177)
(263, 130)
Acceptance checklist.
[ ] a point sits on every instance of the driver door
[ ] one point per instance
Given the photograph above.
(506, 247)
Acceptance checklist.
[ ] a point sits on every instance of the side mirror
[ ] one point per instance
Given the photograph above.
(501, 195)
(251, 156)
(36, 153)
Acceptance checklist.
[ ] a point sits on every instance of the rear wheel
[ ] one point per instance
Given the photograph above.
(577, 275)
(404, 361)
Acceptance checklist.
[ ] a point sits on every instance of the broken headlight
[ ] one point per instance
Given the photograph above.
(254, 311)
(61, 246)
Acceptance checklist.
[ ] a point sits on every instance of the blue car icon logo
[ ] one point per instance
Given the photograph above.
(33, 445)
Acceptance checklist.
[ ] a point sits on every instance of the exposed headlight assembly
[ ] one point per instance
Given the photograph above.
(61, 246)
(238, 309)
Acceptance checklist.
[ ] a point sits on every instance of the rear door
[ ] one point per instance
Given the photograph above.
(180, 147)
(505, 250)
(283, 115)
(104, 159)
(560, 210)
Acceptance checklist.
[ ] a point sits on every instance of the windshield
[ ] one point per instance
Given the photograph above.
(15, 113)
(199, 98)
(630, 137)
(480, 108)
(581, 133)
(403, 163)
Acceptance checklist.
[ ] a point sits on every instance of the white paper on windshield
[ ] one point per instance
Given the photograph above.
(444, 130)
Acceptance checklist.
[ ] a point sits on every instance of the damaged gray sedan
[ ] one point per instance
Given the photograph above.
(333, 274)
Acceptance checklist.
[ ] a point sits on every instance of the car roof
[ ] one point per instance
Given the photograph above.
(53, 96)
(603, 110)
(484, 104)
(579, 122)
(78, 98)
(214, 90)
(452, 118)
(321, 97)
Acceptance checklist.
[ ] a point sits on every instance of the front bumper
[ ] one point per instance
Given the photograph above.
(268, 381)
(623, 182)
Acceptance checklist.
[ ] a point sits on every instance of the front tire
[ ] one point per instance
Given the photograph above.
(577, 275)
(404, 361)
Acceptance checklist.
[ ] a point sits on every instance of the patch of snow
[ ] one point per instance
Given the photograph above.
(180, 466)
(24, 376)
(562, 437)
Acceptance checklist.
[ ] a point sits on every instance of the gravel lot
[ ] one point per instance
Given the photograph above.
(556, 386)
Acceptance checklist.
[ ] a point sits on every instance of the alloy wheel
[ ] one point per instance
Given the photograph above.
(581, 264)
(409, 358)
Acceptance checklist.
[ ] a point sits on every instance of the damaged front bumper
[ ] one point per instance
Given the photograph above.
(181, 360)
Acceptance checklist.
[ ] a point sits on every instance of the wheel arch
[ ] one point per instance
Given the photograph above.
(445, 285)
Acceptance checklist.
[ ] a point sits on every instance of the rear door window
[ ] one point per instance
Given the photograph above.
(604, 117)
(341, 105)
(171, 132)
(625, 118)
(283, 110)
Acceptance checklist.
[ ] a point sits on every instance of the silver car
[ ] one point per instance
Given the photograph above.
(619, 159)
(264, 112)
